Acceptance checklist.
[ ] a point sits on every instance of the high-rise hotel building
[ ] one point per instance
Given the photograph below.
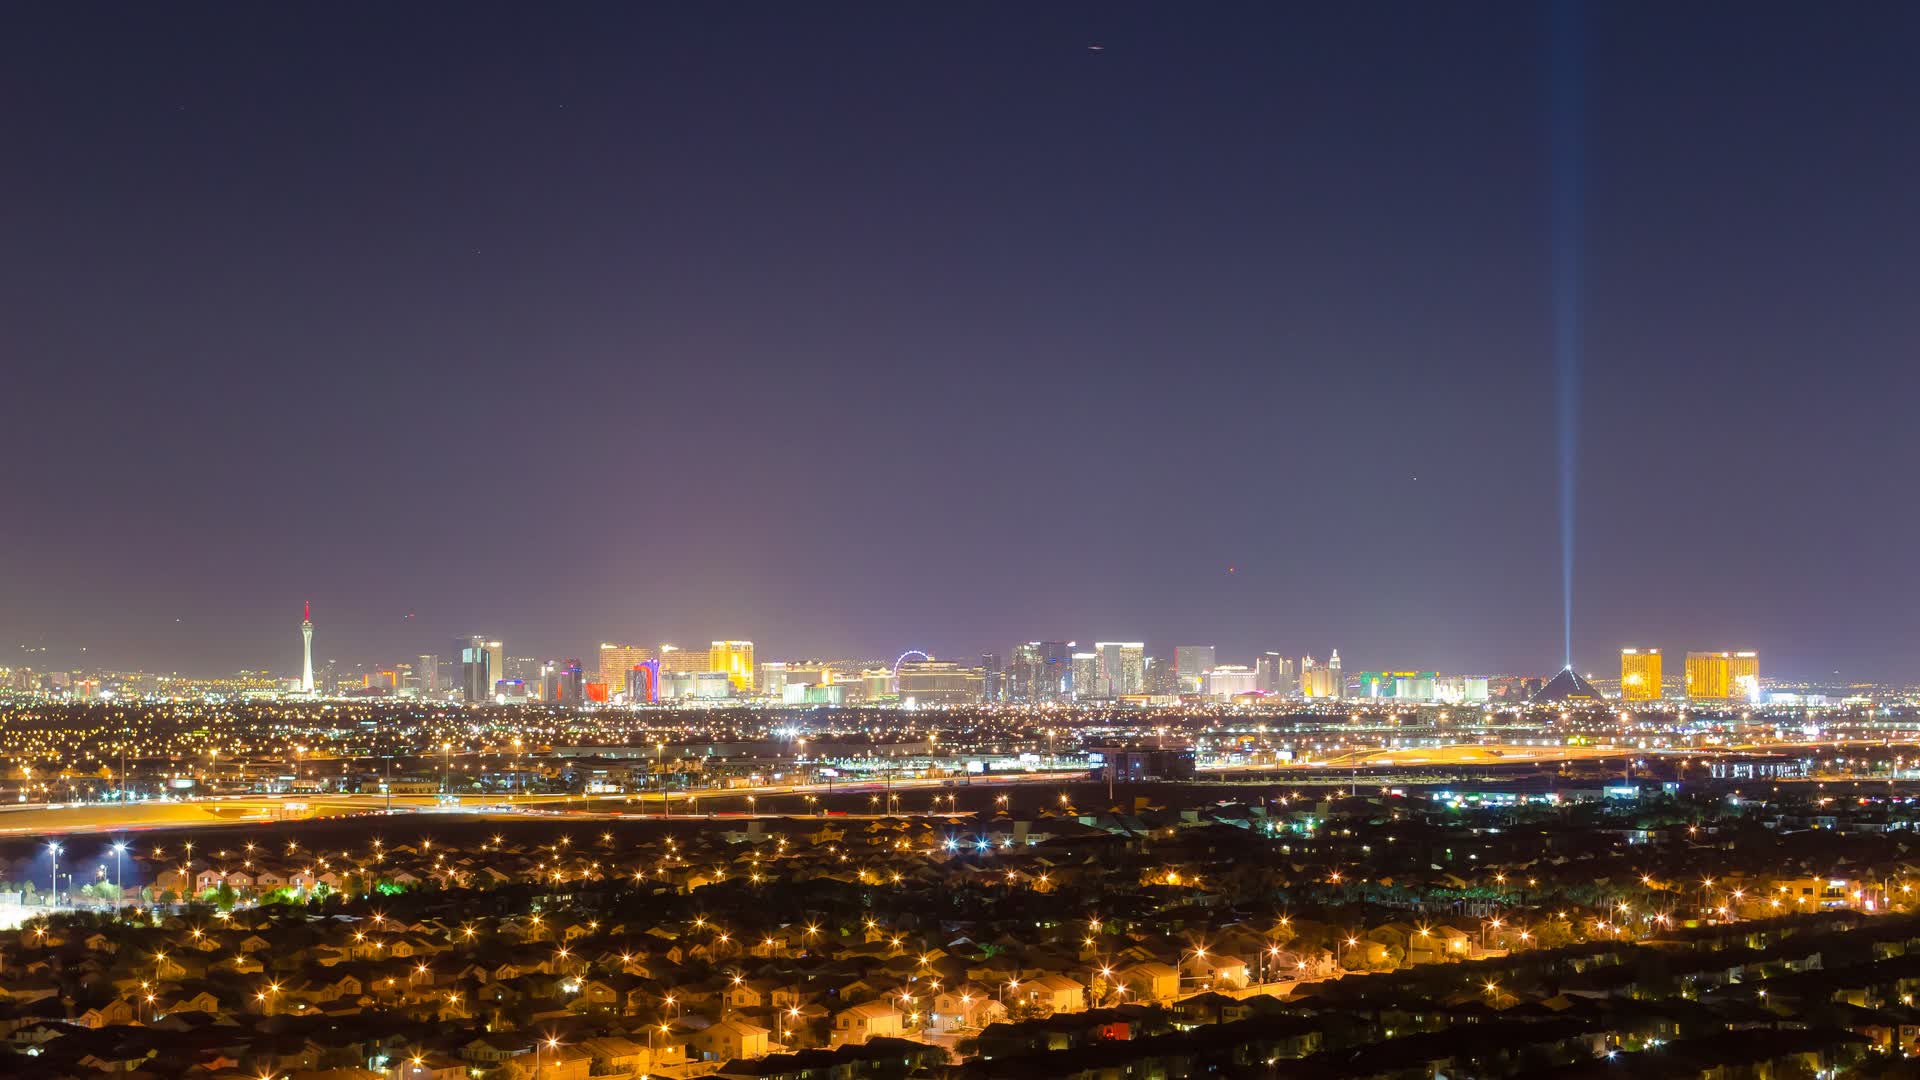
(674, 659)
(1326, 680)
(1743, 675)
(1123, 667)
(617, 663)
(1707, 676)
(1190, 666)
(736, 659)
(1723, 676)
(1640, 675)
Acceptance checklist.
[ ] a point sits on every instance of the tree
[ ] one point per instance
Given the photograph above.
(1098, 990)
(1029, 1010)
(1553, 933)
(1383, 949)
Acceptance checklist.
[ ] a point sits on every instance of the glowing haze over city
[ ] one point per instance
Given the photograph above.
(851, 334)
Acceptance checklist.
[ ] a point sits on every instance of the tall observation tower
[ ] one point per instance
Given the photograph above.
(306, 641)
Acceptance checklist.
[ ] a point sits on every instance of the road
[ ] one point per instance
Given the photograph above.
(1472, 754)
(36, 819)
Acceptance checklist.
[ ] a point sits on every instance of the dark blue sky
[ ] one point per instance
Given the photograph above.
(849, 328)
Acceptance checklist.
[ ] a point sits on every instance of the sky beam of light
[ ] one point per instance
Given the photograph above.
(1568, 143)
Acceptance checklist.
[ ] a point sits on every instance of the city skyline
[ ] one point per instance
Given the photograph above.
(737, 658)
(623, 672)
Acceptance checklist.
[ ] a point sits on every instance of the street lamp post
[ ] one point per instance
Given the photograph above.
(513, 780)
(53, 883)
(119, 877)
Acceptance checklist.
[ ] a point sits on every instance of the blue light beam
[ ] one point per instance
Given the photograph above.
(1568, 143)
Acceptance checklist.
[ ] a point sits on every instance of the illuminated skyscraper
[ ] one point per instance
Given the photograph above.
(476, 679)
(1123, 667)
(573, 684)
(1041, 671)
(306, 641)
(1085, 678)
(773, 679)
(1640, 675)
(937, 682)
(496, 665)
(810, 673)
(1230, 680)
(1161, 678)
(1191, 664)
(1322, 680)
(1416, 685)
(1274, 673)
(675, 659)
(426, 669)
(617, 663)
(1709, 677)
(1743, 676)
(736, 659)
(1023, 672)
(643, 682)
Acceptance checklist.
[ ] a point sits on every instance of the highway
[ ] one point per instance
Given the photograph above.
(1471, 754)
(40, 819)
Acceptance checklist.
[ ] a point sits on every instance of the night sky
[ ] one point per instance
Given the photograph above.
(853, 328)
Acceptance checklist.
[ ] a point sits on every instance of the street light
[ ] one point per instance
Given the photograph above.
(549, 1043)
(119, 880)
(794, 1015)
